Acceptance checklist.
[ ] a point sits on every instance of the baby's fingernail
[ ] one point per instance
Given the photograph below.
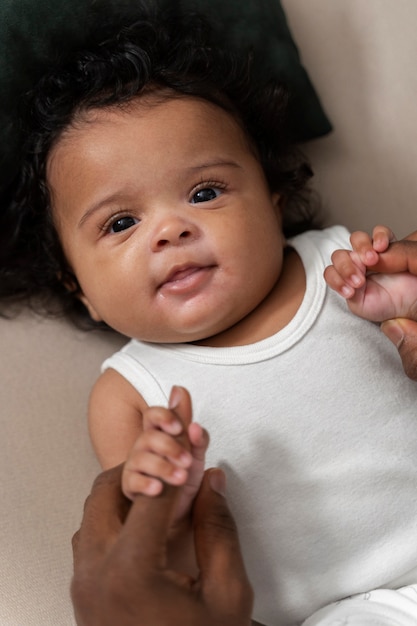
(393, 331)
(185, 459)
(175, 428)
(356, 280)
(347, 291)
(153, 488)
(179, 474)
(371, 257)
(174, 397)
(218, 481)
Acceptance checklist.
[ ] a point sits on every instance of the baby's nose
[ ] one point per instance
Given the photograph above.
(174, 231)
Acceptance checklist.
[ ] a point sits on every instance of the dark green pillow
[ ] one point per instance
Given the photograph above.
(262, 26)
(33, 33)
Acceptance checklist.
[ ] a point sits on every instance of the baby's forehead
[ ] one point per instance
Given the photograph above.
(162, 108)
(169, 134)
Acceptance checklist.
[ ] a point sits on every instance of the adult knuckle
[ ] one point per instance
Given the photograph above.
(104, 479)
(222, 519)
(219, 524)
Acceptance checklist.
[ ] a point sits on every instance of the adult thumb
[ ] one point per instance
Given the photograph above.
(403, 334)
(180, 403)
(224, 582)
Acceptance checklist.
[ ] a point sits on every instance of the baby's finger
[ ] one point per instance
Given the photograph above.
(337, 283)
(163, 445)
(139, 476)
(162, 418)
(362, 244)
(382, 236)
(349, 267)
(134, 484)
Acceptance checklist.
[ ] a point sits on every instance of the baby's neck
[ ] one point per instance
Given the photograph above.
(273, 313)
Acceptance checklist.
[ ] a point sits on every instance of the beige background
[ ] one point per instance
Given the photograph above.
(362, 58)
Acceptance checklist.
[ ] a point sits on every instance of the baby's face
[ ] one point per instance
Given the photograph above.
(166, 219)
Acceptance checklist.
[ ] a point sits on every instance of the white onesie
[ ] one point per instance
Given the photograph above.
(316, 428)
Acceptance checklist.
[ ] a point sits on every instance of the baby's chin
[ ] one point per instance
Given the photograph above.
(177, 338)
(188, 336)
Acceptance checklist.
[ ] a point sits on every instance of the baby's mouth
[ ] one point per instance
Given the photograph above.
(181, 273)
(185, 277)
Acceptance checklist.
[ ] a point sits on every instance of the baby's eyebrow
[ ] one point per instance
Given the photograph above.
(112, 198)
(214, 163)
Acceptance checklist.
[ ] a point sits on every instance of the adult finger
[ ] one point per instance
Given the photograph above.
(224, 582)
(400, 257)
(403, 333)
(382, 237)
(104, 513)
(180, 403)
(144, 535)
(412, 236)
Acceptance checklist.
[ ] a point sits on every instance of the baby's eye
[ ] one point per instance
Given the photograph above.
(122, 223)
(205, 195)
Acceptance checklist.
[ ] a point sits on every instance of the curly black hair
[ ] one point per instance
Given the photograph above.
(176, 55)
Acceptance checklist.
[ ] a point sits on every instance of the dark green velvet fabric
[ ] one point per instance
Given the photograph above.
(33, 33)
(262, 26)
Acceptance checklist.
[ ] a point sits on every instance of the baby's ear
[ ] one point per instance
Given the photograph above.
(278, 203)
(72, 285)
(91, 310)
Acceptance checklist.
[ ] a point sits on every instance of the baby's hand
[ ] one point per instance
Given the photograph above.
(161, 454)
(347, 275)
(374, 296)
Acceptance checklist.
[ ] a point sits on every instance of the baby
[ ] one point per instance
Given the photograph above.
(160, 195)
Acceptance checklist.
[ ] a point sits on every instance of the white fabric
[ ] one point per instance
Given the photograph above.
(382, 607)
(317, 431)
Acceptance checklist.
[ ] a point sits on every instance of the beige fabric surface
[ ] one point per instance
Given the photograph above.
(46, 464)
(361, 57)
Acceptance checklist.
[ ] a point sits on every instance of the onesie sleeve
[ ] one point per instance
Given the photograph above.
(128, 365)
(382, 607)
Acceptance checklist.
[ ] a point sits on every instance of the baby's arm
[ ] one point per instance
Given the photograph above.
(362, 276)
(114, 418)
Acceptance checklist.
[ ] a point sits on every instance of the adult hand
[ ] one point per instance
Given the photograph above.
(120, 564)
(402, 257)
